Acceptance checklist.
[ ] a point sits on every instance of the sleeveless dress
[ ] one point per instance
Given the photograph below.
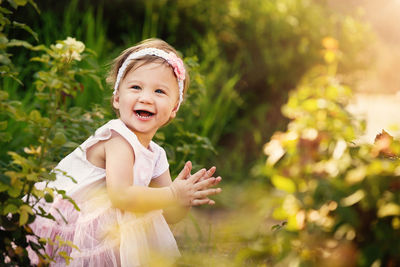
(105, 236)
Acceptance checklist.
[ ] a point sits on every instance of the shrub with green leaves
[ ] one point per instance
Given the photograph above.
(342, 199)
(53, 128)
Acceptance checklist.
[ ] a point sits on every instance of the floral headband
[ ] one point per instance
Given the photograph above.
(175, 62)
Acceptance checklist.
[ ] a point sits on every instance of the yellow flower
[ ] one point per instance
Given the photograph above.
(32, 150)
(330, 43)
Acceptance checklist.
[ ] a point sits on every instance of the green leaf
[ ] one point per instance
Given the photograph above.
(13, 191)
(65, 256)
(283, 183)
(48, 197)
(3, 95)
(3, 187)
(41, 48)
(70, 144)
(15, 42)
(32, 177)
(35, 115)
(4, 179)
(26, 28)
(10, 208)
(59, 139)
(5, 59)
(5, 10)
(5, 137)
(23, 218)
(97, 80)
(3, 125)
(13, 3)
(18, 159)
(26, 208)
(34, 5)
(91, 51)
(20, 2)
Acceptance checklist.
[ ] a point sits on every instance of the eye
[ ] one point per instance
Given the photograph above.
(160, 91)
(136, 87)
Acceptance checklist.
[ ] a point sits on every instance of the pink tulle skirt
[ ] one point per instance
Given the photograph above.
(104, 235)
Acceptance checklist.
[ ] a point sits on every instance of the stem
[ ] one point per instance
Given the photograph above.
(53, 118)
(29, 192)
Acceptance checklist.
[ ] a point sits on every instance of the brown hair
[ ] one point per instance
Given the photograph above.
(154, 43)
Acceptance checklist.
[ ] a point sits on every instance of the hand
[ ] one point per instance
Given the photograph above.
(206, 190)
(189, 190)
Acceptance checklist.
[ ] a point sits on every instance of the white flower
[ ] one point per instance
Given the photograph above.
(75, 56)
(68, 50)
(74, 45)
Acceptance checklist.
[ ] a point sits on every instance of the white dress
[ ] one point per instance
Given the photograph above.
(106, 236)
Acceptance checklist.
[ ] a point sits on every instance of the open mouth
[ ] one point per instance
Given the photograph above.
(144, 114)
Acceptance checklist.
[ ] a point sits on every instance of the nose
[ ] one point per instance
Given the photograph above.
(145, 96)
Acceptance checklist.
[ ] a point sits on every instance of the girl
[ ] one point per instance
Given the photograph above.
(123, 186)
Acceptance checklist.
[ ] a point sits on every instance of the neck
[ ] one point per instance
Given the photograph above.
(144, 139)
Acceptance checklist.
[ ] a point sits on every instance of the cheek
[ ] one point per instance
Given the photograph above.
(127, 99)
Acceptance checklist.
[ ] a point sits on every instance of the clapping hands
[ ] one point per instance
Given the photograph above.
(194, 190)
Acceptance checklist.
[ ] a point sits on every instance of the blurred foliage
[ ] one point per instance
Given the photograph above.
(342, 201)
(250, 54)
(333, 201)
(51, 128)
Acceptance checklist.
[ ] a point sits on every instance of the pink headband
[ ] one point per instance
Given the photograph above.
(175, 62)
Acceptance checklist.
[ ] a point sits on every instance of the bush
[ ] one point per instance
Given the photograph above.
(342, 203)
(52, 128)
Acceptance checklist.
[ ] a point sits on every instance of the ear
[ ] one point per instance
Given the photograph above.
(116, 100)
(174, 111)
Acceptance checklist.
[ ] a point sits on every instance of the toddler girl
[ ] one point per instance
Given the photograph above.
(123, 186)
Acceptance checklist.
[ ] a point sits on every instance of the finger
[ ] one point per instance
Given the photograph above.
(217, 180)
(200, 185)
(207, 192)
(210, 172)
(190, 166)
(185, 171)
(195, 177)
(203, 201)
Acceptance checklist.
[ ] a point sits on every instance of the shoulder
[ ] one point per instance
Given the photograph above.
(117, 144)
(156, 148)
(159, 152)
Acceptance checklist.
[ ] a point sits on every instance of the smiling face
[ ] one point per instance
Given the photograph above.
(147, 99)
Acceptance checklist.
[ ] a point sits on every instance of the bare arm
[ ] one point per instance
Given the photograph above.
(119, 177)
(125, 195)
(172, 214)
